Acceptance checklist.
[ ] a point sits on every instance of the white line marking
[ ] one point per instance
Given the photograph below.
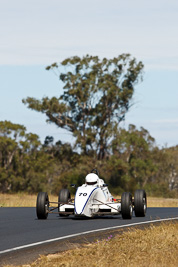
(83, 233)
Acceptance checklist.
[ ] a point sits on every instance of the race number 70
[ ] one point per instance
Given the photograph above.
(82, 194)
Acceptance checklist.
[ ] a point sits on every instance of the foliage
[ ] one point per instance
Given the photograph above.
(97, 95)
(22, 164)
(133, 162)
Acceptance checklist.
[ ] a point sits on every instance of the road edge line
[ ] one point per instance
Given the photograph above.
(84, 233)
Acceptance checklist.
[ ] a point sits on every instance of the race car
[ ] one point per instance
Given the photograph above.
(92, 199)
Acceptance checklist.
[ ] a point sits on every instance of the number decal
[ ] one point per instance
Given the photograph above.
(83, 194)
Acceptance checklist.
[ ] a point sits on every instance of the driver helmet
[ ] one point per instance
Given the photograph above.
(91, 179)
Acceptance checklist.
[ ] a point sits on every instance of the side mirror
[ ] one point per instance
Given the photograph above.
(73, 185)
(105, 185)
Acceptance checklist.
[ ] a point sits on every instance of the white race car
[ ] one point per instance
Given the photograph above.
(91, 199)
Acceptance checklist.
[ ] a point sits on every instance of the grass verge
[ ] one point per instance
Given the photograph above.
(21, 200)
(162, 202)
(25, 200)
(153, 246)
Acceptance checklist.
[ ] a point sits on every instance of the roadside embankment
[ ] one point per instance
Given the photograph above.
(153, 246)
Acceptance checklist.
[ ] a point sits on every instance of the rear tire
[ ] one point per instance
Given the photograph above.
(64, 196)
(126, 205)
(140, 203)
(42, 205)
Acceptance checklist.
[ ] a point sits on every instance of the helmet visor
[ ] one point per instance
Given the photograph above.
(91, 183)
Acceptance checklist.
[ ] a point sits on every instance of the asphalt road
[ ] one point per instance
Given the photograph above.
(20, 226)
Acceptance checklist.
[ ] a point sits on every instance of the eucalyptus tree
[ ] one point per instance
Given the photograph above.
(97, 94)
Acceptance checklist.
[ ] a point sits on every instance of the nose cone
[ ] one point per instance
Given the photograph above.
(83, 198)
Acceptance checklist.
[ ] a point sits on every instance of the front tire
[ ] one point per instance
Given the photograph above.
(140, 203)
(126, 205)
(42, 205)
(64, 196)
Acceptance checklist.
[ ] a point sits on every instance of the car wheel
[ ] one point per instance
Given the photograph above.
(64, 196)
(42, 205)
(126, 205)
(140, 203)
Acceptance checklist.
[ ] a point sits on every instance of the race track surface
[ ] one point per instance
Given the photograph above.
(20, 226)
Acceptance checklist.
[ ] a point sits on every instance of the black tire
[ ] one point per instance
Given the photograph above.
(42, 205)
(64, 196)
(126, 205)
(140, 203)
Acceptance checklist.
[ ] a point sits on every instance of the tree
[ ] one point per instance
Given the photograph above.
(170, 175)
(136, 148)
(23, 164)
(10, 135)
(97, 94)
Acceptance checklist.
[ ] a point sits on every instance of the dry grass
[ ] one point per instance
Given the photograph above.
(25, 200)
(162, 202)
(20, 200)
(154, 246)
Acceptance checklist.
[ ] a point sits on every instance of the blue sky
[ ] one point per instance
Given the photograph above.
(34, 34)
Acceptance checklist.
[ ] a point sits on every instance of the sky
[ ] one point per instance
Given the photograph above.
(35, 34)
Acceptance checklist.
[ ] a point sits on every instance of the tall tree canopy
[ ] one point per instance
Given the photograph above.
(97, 94)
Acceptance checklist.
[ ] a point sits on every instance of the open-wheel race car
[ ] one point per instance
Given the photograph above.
(91, 199)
